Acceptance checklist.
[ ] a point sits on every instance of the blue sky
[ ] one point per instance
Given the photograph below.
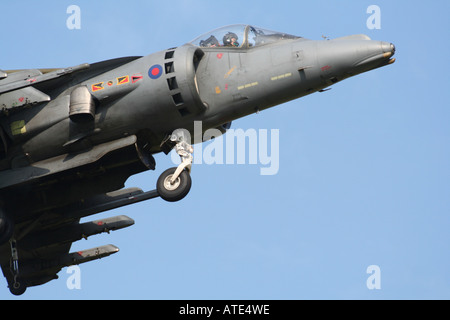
(364, 175)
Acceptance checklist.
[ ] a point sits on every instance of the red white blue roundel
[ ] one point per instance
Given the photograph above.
(155, 71)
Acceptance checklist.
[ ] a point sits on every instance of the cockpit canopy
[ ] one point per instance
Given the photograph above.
(239, 36)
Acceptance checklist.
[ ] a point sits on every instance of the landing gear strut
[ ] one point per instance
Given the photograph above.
(18, 287)
(174, 183)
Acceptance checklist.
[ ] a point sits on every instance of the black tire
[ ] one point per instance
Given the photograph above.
(178, 190)
(18, 288)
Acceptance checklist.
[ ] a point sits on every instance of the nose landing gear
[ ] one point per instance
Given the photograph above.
(175, 183)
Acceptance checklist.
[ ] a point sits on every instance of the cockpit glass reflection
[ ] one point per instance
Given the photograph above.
(258, 37)
(231, 36)
(239, 36)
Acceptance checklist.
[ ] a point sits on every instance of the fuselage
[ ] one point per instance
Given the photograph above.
(216, 84)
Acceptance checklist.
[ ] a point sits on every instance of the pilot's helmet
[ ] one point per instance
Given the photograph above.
(227, 38)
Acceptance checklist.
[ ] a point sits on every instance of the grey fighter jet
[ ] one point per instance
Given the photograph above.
(70, 138)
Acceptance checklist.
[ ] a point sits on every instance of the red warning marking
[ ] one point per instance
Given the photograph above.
(219, 55)
(21, 99)
(136, 77)
(325, 68)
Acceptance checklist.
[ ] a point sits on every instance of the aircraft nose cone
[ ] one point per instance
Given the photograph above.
(388, 47)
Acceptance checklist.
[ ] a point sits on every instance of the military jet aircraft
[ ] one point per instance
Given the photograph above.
(70, 138)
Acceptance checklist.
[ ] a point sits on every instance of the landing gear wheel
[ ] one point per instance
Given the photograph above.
(173, 191)
(18, 288)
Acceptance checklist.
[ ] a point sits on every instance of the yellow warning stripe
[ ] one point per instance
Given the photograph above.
(249, 85)
(229, 72)
(281, 76)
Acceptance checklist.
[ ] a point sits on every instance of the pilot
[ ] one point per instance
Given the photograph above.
(230, 40)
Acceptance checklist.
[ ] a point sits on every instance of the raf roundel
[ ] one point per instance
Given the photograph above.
(155, 71)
